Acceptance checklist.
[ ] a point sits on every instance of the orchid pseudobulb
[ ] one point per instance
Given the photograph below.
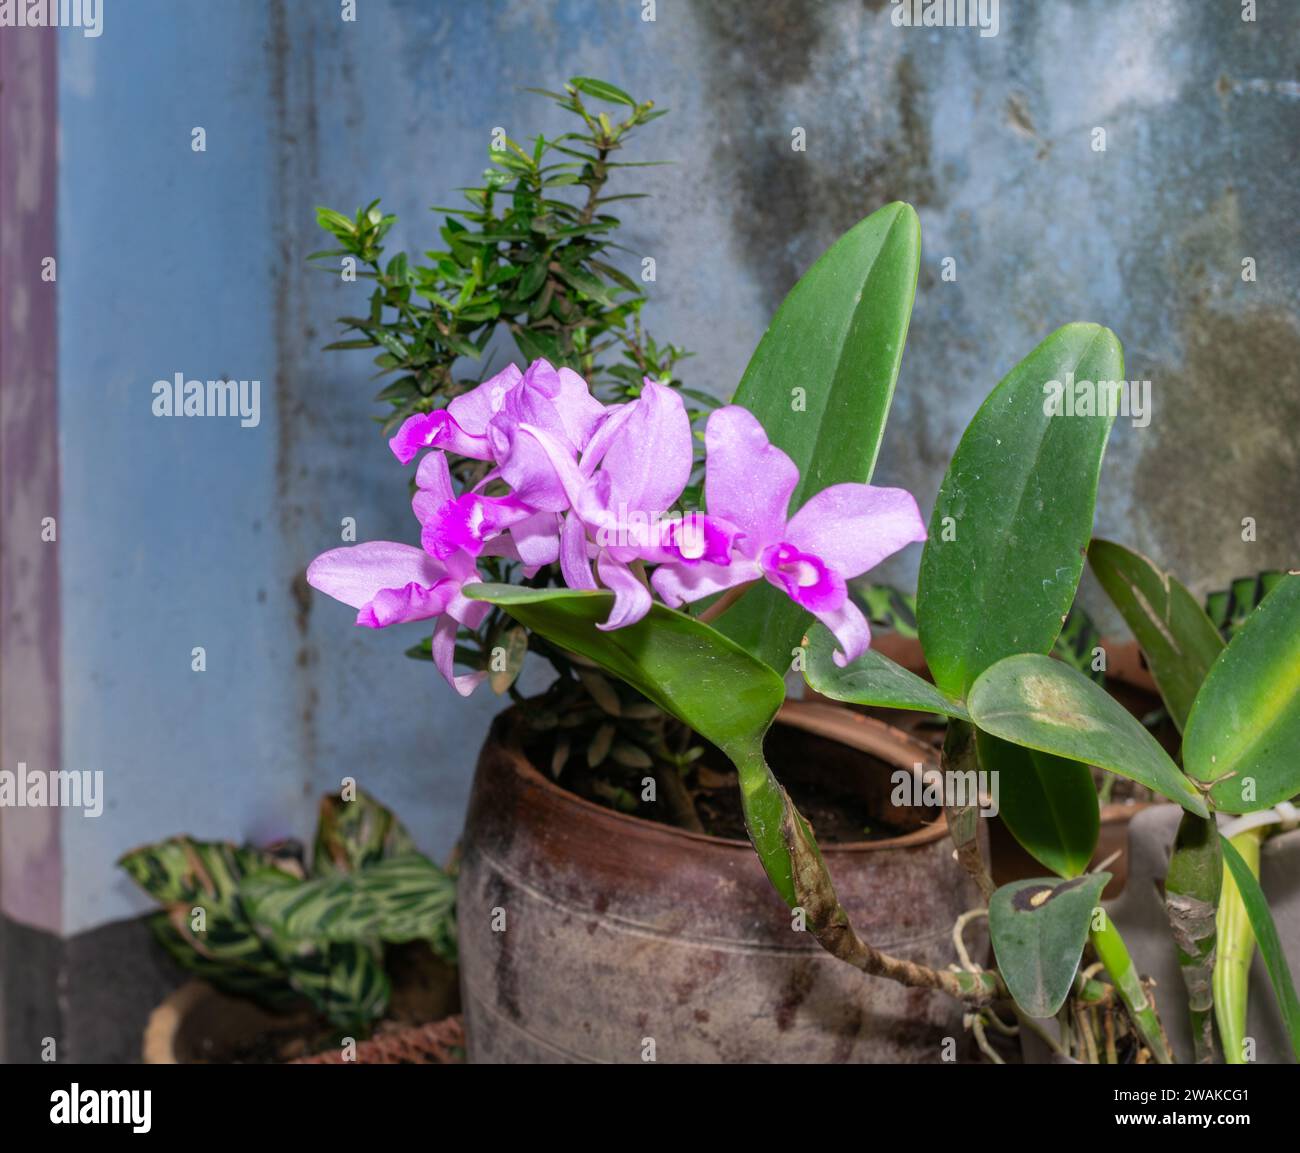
(578, 482)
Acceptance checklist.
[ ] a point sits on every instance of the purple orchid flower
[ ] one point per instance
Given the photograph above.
(633, 471)
(476, 524)
(389, 583)
(484, 423)
(838, 534)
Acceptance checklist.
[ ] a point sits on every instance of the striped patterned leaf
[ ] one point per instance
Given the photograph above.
(259, 976)
(356, 833)
(887, 607)
(401, 899)
(1075, 645)
(344, 981)
(183, 871)
(1228, 608)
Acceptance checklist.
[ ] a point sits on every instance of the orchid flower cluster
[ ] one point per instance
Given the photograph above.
(597, 489)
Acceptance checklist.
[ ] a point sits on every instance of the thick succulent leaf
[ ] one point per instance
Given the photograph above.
(1043, 704)
(1243, 732)
(1179, 641)
(838, 337)
(1049, 804)
(394, 900)
(688, 669)
(1014, 515)
(1038, 929)
(1270, 946)
(353, 834)
(873, 679)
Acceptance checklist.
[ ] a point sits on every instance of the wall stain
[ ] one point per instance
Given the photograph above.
(771, 67)
(291, 60)
(1226, 416)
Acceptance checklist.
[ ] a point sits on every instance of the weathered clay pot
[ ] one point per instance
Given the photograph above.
(197, 1023)
(619, 932)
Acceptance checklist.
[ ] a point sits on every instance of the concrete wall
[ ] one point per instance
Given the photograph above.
(176, 534)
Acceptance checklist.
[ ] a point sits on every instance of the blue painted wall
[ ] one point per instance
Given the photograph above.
(180, 533)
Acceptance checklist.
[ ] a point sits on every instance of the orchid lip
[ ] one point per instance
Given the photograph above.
(696, 538)
(805, 578)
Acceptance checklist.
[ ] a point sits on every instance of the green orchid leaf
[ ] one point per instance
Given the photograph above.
(1049, 804)
(1179, 641)
(1014, 514)
(1038, 929)
(821, 382)
(1243, 732)
(873, 679)
(1042, 704)
(688, 669)
(1270, 946)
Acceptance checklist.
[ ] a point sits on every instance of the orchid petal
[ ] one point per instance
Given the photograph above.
(469, 522)
(474, 409)
(444, 657)
(851, 630)
(558, 463)
(580, 412)
(537, 539)
(436, 430)
(632, 599)
(685, 583)
(804, 577)
(749, 480)
(650, 458)
(412, 602)
(853, 527)
(574, 563)
(434, 477)
(357, 573)
(616, 416)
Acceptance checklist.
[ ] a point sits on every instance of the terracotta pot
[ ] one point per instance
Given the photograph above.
(620, 931)
(197, 1023)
